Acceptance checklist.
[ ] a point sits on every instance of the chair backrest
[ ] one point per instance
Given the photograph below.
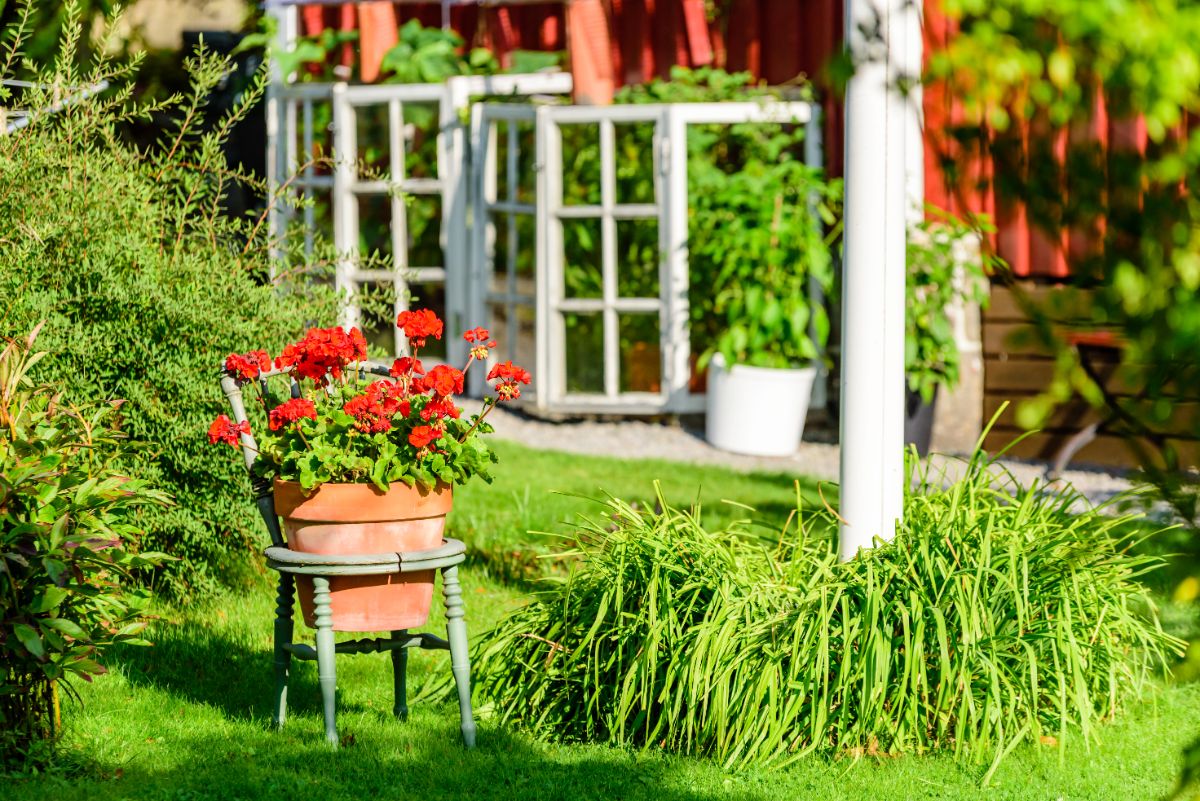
(264, 495)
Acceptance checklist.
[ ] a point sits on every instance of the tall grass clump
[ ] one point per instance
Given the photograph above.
(998, 615)
(144, 283)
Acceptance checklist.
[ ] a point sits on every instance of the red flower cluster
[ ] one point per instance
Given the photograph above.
(509, 376)
(323, 352)
(419, 325)
(247, 366)
(226, 431)
(439, 407)
(443, 380)
(406, 366)
(482, 344)
(421, 436)
(374, 409)
(285, 414)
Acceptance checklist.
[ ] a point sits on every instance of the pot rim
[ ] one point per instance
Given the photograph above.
(361, 502)
(718, 361)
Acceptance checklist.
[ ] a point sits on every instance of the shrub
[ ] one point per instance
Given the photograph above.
(66, 537)
(993, 618)
(145, 286)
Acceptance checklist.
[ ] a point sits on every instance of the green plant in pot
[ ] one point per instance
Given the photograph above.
(765, 234)
(946, 268)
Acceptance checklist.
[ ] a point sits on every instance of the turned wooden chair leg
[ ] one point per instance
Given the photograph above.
(326, 666)
(400, 677)
(460, 661)
(284, 604)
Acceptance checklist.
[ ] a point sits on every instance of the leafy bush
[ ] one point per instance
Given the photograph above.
(992, 619)
(759, 234)
(945, 264)
(66, 549)
(145, 286)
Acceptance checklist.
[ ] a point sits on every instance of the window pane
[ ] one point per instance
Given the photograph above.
(582, 258)
(641, 355)
(637, 258)
(585, 352)
(635, 162)
(581, 164)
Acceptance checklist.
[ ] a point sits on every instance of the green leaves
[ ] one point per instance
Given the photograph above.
(947, 265)
(332, 449)
(66, 527)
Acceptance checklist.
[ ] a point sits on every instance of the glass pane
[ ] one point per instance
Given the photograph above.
(581, 258)
(635, 162)
(432, 296)
(581, 164)
(374, 226)
(526, 159)
(420, 140)
(376, 301)
(637, 258)
(514, 329)
(523, 337)
(373, 147)
(499, 255)
(501, 134)
(585, 352)
(322, 118)
(498, 325)
(641, 356)
(526, 262)
(424, 231)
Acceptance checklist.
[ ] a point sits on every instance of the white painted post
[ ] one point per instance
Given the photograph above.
(876, 209)
(277, 164)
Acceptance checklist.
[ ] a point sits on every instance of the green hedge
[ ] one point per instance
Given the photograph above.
(145, 286)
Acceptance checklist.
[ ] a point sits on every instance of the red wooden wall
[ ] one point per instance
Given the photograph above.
(779, 40)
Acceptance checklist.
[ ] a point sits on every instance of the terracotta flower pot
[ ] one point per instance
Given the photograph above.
(359, 519)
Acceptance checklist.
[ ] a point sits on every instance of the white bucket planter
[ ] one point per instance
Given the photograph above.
(757, 410)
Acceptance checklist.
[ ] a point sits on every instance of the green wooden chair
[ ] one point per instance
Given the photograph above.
(289, 564)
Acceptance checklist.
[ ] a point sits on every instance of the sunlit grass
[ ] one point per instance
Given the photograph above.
(189, 718)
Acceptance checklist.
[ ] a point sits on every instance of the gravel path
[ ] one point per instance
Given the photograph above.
(637, 439)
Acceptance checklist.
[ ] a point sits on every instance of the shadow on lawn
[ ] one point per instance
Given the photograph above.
(228, 670)
(420, 760)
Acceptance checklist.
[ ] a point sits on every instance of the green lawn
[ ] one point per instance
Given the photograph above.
(188, 719)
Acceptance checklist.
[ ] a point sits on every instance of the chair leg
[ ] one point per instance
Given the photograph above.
(400, 677)
(326, 667)
(460, 661)
(284, 604)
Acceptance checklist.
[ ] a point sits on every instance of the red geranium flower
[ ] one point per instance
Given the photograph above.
(323, 352)
(509, 376)
(374, 409)
(406, 365)
(482, 345)
(285, 414)
(247, 366)
(421, 436)
(476, 335)
(226, 431)
(419, 325)
(439, 407)
(443, 380)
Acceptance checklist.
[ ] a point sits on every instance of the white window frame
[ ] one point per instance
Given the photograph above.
(290, 112)
(670, 209)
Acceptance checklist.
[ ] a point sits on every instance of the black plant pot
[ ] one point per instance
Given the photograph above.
(918, 420)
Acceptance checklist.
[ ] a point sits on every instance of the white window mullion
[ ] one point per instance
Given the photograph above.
(345, 203)
(671, 179)
(608, 257)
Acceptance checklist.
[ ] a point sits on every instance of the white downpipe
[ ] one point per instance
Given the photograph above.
(878, 120)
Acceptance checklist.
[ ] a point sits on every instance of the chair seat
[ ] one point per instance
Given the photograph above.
(450, 552)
